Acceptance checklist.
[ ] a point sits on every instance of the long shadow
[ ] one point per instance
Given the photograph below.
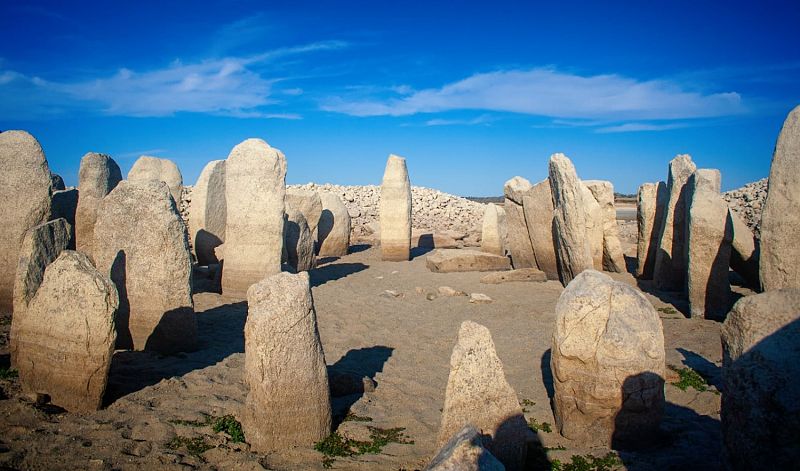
(708, 370)
(320, 276)
(220, 333)
(347, 375)
(358, 248)
(547, 375)
(676, 298)
(420, 251)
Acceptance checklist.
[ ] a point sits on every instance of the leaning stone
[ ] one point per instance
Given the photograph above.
(255, 185)
(288, 403)
(98, 175)
(307, 202)
(780, 220)
(478, 394)
(456, 260)
(517, 238)
(607, 362)
(333, 231)
(25, 189)
(65, 338)
(538, 206)
(744, 252)
(465, 452)
(147, 169)
(760, 411)
(208, 212)
(64, 205)
(573, 249)
(594, 226)
(521, 274)
(669, 272)
(141, 242)
(299, 242)
(494, 231)
(709, 253)
(651, 202)
(395, 211)
(613, 258)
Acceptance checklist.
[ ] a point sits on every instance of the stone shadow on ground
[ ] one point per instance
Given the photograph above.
(708, 370)
(547, 375)
(631, 264)
(321, 275)
(220, 333)
(346, 377)
(420, 251)
(358, 248)
(675, 298)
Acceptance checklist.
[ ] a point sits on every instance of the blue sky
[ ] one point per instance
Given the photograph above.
(471, 94)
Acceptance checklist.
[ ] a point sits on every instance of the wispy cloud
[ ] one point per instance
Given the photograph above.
(138, 153)
(230, 86)
(637, 127)
(552, 93)
(482, 119)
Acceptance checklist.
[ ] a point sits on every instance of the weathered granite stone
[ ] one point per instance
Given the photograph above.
(208, 212)
(64, 205)
(613, 258)
(520, 274)
(517, 239)
(538, 206)
(147, 169)
(299, 242)
(594, 226)
(744, 252)
(333, 231)
(307, 202)
(98, 175)
(651, 202)
(456, 260)
(395, 211)
(494, 231)
(465, 452)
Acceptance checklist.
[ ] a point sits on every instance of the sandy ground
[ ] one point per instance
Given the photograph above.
(403, 343)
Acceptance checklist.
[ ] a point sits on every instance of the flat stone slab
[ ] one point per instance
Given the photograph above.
(521, 274)
(457, 260)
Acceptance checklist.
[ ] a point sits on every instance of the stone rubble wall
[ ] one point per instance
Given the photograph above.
(747, 202)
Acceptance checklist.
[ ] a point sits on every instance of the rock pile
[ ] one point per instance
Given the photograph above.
(747, 202)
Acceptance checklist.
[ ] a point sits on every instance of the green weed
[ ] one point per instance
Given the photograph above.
(587, 463)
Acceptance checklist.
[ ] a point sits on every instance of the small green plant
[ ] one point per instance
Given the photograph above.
(231, 426)
(8, 373)
(689, 378)
(536, 426)
(195, 446)
(587, 463)
(335, 445)
(667, 310)
(351, 417)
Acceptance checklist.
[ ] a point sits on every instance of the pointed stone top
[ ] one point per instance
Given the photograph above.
(515, 189)
(395, 156)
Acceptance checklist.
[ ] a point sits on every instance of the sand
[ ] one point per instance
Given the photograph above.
(403, 343)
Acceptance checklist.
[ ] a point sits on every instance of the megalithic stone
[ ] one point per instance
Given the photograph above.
(494, 230)
(395, 211)
(98, 175)
(255, 186)
(538, 205)
(594, 226)
(208, 212)
(154, 169)
(518, 239)
(299, 242)
(669, 273)
(25, 189)
(333, 231)
(613, 257)
(780, 220)
(651, 203)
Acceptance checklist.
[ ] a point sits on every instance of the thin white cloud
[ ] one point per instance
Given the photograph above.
(549, 92)
(637, 127)
(139, 153)
(483, 119)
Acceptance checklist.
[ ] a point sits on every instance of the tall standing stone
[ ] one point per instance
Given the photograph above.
(25, 189)
(207, 214)
(573, 251)
(147, 169)
(141, 242)
(760, 410)
(98, 175)
(395, 211)
(333, 231)
(307, 202)
(518, 240)
(255, 186)
(607, 362)
(299, 242)
(494, 231)
(288, 403)
(780, 219)
(594, 226)
(613, 257)
(669, 272)
(538, 206)
(478, 394)
(708, 250)
(65, 338)
(651, 203)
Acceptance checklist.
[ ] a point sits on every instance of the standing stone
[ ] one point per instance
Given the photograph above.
(651, 202)
(613, 257)
(299, 242)
(708, 252)
(64, 205)
(288, 403)
(333, 231)
(607, 362)
(307, 202)
(255, 185)
(573, 252)
(207, 214)
(64, 340)
(42, 244)
(141, 242)
(395, 211)
(669, 272)
(780, 220)
(518, 240)
(594, 226)
(538, 206)
(706, 178)
(148, 168)
(478, 394)
(25, 189)
(760, 365)
(98, 175)
(744, 252)
(494, 230)
(465, 452)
